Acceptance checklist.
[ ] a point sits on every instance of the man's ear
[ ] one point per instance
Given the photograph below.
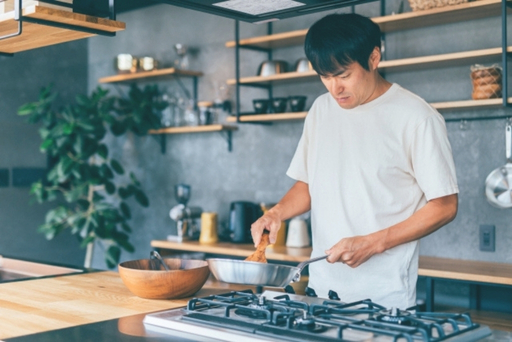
(374, 59)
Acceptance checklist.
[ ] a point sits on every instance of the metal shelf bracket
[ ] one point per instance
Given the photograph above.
(228, 136)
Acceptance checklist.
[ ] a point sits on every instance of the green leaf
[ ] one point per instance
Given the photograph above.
(103, 151)
(141, 198)
(112, 256)
(134, 179)
(27, 109)
(125, 209)
(117, 167)
(106, 172)
(126, 227)
(110, 188)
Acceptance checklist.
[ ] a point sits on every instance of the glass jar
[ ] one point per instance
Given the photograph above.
(191, 116)
(205, 113)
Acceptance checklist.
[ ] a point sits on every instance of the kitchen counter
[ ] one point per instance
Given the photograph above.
(91, 306)
(34, 306)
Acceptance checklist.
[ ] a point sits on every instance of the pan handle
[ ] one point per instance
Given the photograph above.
(303, 264)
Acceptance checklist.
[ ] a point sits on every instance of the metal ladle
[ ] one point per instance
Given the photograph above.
(155, 255)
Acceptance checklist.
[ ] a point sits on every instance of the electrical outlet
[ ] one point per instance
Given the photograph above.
(487, 238)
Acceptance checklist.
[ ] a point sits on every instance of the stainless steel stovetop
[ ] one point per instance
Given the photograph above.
(271, 316)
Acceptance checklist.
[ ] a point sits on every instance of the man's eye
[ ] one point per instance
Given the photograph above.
(344, 75)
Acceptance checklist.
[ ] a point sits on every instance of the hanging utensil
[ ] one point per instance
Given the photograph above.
(498, 185)
(259, 255)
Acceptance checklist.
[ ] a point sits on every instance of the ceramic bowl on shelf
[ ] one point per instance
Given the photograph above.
(279, 104)
(261, 105)
(146, 278)
(297, 103)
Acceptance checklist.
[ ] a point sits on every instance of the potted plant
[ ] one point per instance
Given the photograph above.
(92, 188)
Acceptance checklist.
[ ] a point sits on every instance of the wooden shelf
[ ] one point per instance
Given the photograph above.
(444, 60)
(36, 35)
(284, 77)
(269, 117)
(154, 75)
(193, 129)
(436, 16)
(466, 104)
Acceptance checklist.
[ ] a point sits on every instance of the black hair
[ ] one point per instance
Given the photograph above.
(338, 40)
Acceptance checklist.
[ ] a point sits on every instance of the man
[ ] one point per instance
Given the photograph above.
(374, 166)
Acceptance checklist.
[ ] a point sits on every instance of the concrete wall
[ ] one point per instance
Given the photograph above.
(21, 78)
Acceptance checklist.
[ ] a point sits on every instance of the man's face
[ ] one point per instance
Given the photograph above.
(352, 85)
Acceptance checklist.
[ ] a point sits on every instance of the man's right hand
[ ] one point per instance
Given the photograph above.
(295, 202)
(271, 221)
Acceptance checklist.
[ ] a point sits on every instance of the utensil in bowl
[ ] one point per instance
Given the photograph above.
(278, 104)
(257, 273)
(269, 68)
(156, 255)
(261, 105)
(186, 277)
(297, 103)
(303, 65)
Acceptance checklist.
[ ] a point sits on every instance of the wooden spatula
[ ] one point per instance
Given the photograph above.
(259, 255)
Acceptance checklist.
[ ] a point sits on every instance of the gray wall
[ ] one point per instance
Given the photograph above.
(21, 78)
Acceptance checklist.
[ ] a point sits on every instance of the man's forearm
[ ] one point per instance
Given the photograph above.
(435, 214)
(295, 202)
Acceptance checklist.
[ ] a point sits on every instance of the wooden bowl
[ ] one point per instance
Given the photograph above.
(144, 279)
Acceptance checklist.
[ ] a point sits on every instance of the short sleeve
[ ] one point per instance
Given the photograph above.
(298, 168)
(432, 159)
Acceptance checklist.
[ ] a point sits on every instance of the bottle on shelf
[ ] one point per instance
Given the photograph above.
(206, 114)
(190, 115)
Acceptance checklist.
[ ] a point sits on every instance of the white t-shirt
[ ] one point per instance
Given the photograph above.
(369, 168)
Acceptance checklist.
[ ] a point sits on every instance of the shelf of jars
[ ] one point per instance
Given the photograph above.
(409, 20)
(43, 26)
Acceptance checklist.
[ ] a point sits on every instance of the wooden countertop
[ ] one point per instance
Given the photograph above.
(33, 306)
(468, 270)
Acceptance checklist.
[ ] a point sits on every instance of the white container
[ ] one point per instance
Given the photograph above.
(298, 234)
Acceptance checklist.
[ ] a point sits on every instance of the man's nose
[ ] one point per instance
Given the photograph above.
(336, 86)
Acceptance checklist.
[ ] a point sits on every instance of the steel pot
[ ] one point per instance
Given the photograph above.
(257, 273)
(498, 185)
(269, 68)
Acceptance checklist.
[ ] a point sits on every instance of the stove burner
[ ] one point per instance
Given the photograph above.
(307, 323)
(395, 315)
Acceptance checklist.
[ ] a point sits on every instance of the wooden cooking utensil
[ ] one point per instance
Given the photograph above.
(259, 255)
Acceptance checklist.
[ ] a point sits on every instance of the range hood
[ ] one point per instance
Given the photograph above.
(261, 11)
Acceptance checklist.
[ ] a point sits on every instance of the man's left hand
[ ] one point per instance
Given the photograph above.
(352, 251)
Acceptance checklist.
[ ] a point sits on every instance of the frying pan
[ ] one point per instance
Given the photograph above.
(257, 273)
(498, 185)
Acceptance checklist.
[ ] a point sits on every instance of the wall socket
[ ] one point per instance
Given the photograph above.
(487, 238)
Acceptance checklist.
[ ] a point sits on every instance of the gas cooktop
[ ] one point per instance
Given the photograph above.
(272, 316)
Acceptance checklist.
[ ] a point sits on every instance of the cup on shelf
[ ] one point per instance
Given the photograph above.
(278, 104)
(261, 106)
(297, 103)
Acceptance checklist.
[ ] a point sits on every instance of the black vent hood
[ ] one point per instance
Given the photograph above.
(260, 11)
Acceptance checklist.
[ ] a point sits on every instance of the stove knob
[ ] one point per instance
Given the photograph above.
(289, 289)
(333, 295)
(310, 292)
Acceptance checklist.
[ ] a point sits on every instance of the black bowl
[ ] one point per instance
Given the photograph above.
(261, 105)
(279, 104)
(297, 103)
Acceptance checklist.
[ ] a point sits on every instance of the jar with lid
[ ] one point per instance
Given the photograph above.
(205, 113)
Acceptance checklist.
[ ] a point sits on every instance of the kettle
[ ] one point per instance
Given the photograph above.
(241, 216)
